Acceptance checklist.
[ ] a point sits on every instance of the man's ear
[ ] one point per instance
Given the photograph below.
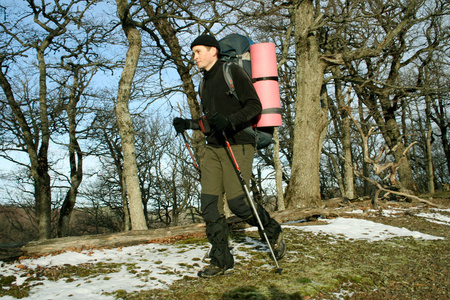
(217, 51)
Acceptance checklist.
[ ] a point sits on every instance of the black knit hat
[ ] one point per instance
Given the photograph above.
(206, 40)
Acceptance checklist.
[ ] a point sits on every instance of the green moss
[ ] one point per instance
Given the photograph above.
(8, 288)
(303, 280)
(6, 280)
(192, 241)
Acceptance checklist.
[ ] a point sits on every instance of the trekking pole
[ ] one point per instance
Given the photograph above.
(252, 204)
(190, 153)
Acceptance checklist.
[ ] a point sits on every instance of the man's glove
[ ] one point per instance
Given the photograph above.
(219, 122)
(181, 124)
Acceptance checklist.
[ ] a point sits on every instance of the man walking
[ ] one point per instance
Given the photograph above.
(226, 116)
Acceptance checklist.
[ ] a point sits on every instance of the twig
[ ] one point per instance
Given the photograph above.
(381, 188)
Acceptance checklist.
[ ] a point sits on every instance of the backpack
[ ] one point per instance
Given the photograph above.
(263, 135)
(235, 49)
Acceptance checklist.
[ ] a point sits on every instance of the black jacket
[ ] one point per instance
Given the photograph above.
(217, 99)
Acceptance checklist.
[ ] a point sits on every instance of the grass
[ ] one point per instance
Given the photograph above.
(321, 266)
(317, 266)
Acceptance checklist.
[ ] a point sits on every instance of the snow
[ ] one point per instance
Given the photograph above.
(364, 230)
(436, 217)
(153, 266)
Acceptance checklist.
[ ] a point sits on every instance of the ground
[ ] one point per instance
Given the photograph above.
(326, 267)
(317, 265)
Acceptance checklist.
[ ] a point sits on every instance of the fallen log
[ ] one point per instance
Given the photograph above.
(332, 208)
(112, 240)
(134, 237)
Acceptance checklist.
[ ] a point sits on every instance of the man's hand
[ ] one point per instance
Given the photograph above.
(181, 124)
(219, 122)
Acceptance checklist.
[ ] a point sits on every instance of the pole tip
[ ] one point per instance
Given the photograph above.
(279, 270)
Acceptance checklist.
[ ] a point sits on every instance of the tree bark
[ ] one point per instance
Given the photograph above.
(428, 151)
(310, 118)
(278, 171)
(38, 161)
(349, 179)
(75, 160)
(365, 165)
(124, 121)
(40, 175)
(126, 208)
(393, 137)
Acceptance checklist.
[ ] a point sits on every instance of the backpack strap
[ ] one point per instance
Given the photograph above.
(200, 88)
(229, 79)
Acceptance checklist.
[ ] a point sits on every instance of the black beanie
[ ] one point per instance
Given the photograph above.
(206, 40)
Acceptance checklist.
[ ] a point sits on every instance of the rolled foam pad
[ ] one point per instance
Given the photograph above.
(269, 94)
(264, 60)
(265, 76)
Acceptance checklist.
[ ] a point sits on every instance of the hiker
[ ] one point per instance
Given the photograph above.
(226, 116)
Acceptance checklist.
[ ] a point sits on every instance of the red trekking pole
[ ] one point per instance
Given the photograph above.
(250, 199)
(191, 154)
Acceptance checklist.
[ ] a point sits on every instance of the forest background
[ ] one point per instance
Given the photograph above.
(89, 90)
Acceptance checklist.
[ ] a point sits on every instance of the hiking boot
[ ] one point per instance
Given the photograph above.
(279, 247)
(212, 271)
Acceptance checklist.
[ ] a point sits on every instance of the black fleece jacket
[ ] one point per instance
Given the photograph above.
(217, 99)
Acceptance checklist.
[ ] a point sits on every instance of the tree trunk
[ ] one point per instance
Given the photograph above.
(365, 165)
(310, 118)
(342, 124)
(67, 209)
(124, 121)
(278, 171)
(41, 177)
(428, 151)
(159, 235)
(38, 166)
(75, 159)
(440, 117)
(126, 208)
(384, 116)
(349, 178)
(392, 136)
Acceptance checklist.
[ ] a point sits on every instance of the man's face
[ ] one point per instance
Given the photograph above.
(205, 56)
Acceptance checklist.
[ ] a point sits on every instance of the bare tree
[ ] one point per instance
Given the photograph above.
(311, 116)
(124, 121)
(50, 22)
(74, 74)
(375, 71)
(162, 24)
(381, 165)
(437, 105)
(107, 147)
(371, 38)
(75, 157)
